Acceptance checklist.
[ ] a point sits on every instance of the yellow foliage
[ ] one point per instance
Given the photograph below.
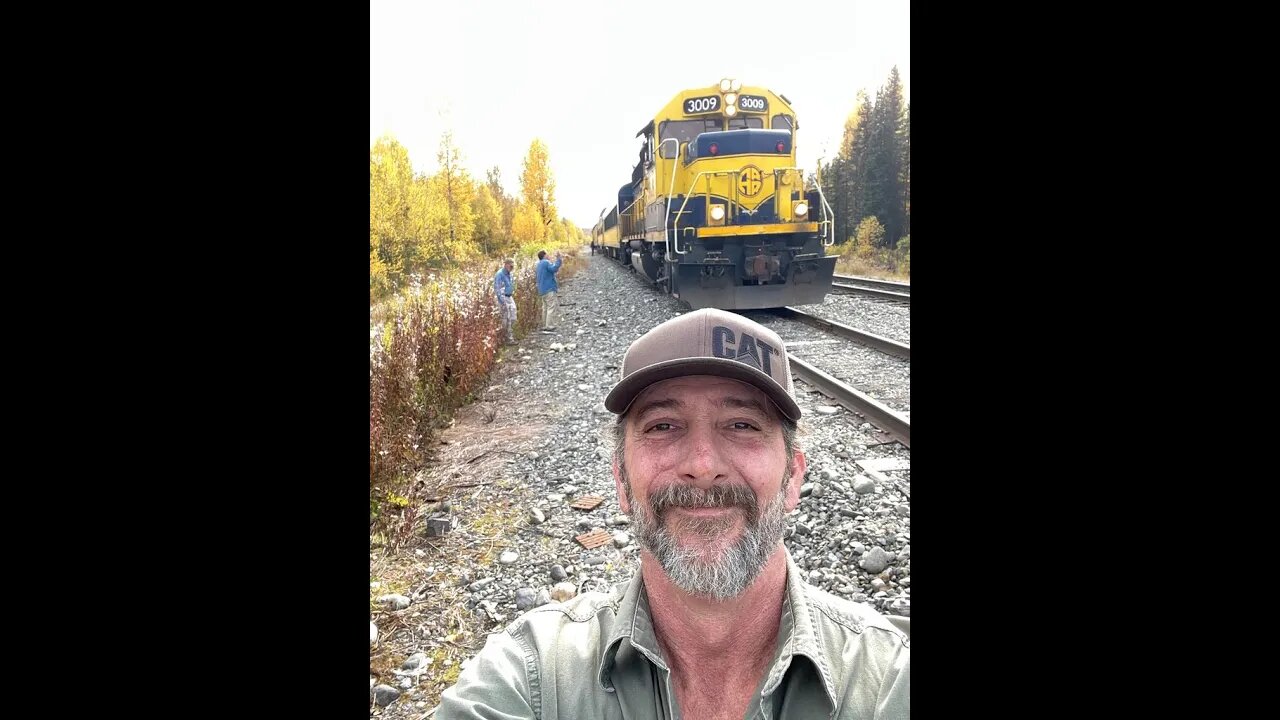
(536, 183)
(869, 235)
(421, 224)
(851, 126)
(390, 201)
(488, 220)
(527, 226)
(379, 282)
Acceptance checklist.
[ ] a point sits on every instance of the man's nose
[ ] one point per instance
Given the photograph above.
(703, 462)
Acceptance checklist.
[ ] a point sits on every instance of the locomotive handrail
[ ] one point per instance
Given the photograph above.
(692, 189)
(674, 164)
(624, 212)
(827, 238)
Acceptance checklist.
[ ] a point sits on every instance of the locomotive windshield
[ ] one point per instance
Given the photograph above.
(685, 131)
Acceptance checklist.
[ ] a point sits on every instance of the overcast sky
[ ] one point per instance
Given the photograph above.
(586, 76)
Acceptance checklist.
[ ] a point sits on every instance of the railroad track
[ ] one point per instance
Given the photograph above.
(885, 289)
(882, 416)
(883, 344)
(894, 423)
(892, 285)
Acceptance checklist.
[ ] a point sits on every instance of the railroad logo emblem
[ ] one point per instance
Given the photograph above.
(750, 180)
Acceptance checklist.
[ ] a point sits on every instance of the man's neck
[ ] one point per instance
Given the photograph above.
(696, 631)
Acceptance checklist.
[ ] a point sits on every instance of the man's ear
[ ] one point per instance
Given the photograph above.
(617, 484)
(798, 465)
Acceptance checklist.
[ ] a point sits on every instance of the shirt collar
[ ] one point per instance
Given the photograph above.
(635, 624)
(797, 634)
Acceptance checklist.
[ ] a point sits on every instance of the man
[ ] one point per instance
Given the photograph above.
(718, 622)
(504, 287)
(547, 287)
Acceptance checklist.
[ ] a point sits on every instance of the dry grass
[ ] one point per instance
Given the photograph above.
(437, 624)
(858, 266)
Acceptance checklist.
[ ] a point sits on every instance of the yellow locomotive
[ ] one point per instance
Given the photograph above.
(716, 212)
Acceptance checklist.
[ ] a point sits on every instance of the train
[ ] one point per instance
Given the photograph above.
(717, 213)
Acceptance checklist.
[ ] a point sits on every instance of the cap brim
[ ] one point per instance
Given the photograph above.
(625, 392)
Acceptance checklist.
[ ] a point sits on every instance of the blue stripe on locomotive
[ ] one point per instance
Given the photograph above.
(695, 212)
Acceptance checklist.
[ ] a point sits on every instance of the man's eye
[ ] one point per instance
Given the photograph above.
(740, 425)
(662, 427)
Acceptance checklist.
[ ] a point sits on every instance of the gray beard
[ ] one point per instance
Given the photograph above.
(731, 570)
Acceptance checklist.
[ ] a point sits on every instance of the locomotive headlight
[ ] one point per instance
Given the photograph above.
(730, 99)
(725, 84)
(717, 212)
(734, 85)
(801, 209)
(730, 109)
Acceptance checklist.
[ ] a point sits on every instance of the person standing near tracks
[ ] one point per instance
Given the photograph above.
(504, 287)
(547, 288)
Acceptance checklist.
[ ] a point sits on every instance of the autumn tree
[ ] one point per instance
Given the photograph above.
(573, 235)
(454, 189)
(507, 202)
(527, 226)
(537, 185)
(869, 235)
(841, 179)
(489, 231)
(391, 189)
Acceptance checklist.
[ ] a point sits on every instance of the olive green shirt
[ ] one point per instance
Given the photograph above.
(596, 656)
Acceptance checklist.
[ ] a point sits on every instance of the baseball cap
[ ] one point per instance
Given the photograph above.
(707, 342)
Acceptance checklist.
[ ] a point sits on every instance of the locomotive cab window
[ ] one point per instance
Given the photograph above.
(742, 123)
(782, 122)
(684, 131)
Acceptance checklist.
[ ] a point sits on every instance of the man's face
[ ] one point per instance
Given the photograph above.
(704, 476)
(507, 267)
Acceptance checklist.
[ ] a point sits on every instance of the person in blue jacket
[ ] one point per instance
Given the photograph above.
(547, 287)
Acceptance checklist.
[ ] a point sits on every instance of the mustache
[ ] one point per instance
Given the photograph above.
(686, 496)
